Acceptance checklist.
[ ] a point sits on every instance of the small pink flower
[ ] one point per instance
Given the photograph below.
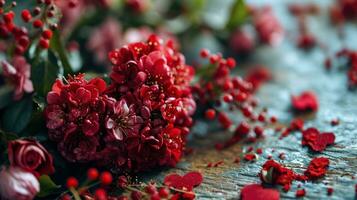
(122, 121)
(18, 184)
(18, 74)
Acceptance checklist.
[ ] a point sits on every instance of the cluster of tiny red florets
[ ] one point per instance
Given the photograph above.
(138, 122)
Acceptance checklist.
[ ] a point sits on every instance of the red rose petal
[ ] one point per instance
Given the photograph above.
(257, 192)
(188, 181)
(173, 180)
(193, 178)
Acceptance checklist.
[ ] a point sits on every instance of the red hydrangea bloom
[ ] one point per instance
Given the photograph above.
(148, 123)
(18, 73)
(315, 140)
(274, 173)
(317, 168)
(306, 101)
(73, 116)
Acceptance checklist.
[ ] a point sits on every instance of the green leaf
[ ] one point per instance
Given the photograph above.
(238, 14)
(44, 75)
(5, 96)
(47, 186)
(16, 117)
(58, 47)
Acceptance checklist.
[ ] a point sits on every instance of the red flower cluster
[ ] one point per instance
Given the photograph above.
(317, 168)
(306, 101)
(73, 116)
(138, 122)
(274, 173)
(315, 140)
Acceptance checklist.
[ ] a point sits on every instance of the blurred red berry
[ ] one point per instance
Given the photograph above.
(204, 53)
(26, 15)
(106, 178)
(92, 174)
(47, 34)
(72, 182)
(210, 114)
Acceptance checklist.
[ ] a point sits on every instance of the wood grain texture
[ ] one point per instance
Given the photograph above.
(294, 71)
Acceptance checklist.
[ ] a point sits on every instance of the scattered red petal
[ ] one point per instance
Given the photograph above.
(317, 168)
(188, 181)
(317, 141)
(306, 101)
(329, 191)
(257, 192)
(250, 157)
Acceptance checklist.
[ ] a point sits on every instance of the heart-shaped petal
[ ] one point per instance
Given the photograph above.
(257, 192)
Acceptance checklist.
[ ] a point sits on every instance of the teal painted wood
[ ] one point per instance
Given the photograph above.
(294, 71)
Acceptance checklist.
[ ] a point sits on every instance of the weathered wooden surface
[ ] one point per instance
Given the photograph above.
(294, 71)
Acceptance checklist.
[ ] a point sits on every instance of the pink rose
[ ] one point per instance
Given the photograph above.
(18, 74)
(31, 156)
(17, 184)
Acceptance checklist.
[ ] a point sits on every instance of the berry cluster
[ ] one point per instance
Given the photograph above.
(173, 187)
(217, 88)
(136, 123)
(42, 18)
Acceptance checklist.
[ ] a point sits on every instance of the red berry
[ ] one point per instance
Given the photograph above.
(26, 15)
(224, 120)
(36, 11)
(329, 191)
(231, 63)
(92, 174)
(151, 189)
(44, 43)
(37, 23)
(164, 192)
(100, 194)
(210, 114)
(258, 130)
(72, 182)
(155, 196)
(261, 117)
(106, 178)
(227, 98)
(24, 41)
(273, 119)
(204, 53)
(47, 34)
(213, 59)
(242, 129)
(9, 17)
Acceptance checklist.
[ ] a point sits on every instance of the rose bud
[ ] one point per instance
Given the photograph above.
(31, 156)
(18, 184)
